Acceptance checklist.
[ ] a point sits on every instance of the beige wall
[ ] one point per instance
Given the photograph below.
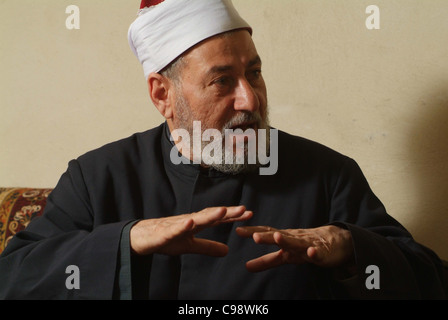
(379, 96)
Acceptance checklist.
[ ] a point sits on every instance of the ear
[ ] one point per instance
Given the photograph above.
(160, 91)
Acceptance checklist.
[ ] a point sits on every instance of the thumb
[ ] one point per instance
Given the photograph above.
(313, 255)
(208, 247)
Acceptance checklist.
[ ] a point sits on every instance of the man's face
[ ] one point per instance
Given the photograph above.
(222, 85)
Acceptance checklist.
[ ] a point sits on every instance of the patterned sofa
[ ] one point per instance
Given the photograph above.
(18, 206)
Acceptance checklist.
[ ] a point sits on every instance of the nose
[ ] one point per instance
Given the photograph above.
(246, 98)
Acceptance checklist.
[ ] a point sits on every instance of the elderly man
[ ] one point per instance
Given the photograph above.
(137, 223)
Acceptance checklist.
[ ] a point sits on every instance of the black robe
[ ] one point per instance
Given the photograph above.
(104, 190)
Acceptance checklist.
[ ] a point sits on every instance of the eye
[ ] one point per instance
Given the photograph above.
(222, 81)
(254, 74)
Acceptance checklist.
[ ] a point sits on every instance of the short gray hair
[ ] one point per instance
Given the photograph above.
(173, 70)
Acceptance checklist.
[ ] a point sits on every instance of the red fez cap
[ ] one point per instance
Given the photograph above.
(149, 3)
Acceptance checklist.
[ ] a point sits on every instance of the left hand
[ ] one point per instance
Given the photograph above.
(327, 246)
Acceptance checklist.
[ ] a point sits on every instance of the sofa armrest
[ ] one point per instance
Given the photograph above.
(18, 206)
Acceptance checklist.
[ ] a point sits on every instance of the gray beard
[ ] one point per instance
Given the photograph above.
(232, 164)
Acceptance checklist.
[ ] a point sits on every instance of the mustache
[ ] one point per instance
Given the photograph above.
(243, 118)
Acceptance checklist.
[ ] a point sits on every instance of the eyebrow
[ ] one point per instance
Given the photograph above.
(254, 61)
(220, 69)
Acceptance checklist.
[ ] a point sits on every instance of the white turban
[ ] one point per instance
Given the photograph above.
(164, 31)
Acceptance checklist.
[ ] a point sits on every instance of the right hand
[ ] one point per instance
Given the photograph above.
(174, 235)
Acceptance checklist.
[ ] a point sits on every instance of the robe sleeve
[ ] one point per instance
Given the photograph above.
(34, 264)
(124, 282)
(133, 271)
(402, 268)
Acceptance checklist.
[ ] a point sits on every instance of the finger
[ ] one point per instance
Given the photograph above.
(236, 214)
(208, 247)
(245, 216)
(272, 237)
(264, 237)
(247, 232)
(270, 260)
(311, 252)
(289, 242)
(317, 255)
(299, 250)
(208, 216)
(211, 217)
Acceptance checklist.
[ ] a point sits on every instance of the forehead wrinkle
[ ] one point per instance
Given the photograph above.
(219, 69)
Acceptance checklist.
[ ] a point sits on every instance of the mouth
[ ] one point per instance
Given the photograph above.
(245, 125)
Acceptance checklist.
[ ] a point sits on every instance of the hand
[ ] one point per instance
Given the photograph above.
(327, 246)
(174, 235)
